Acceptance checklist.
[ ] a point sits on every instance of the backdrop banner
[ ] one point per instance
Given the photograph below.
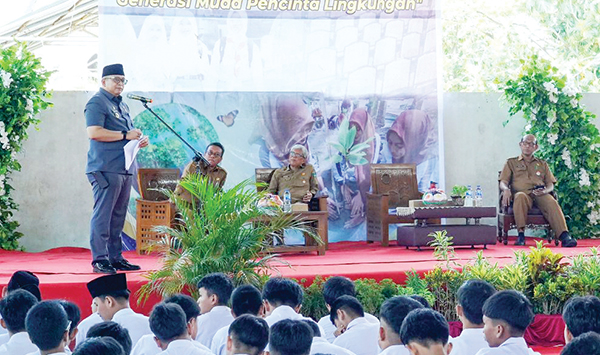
(262, 75)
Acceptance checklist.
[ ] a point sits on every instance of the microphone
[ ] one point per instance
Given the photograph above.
(140, 98)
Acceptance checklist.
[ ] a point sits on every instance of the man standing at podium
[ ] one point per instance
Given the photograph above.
(109, 129)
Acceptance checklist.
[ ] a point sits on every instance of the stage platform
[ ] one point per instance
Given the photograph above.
(64, 272)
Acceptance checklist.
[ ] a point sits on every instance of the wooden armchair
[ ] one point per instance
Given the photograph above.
(392, 185)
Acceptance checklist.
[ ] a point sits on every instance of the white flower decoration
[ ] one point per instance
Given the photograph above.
(571, 89)
(594, 217)
(29, 106)
(574, 103)
(553, 98)
(6, 78)
(590, 204)
(584, 178)
(549, 86)
(552, 138)
(566, 156)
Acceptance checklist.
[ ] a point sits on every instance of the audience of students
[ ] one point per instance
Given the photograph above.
(392, 314)
(426, 332)
(581, 315)
(320, 345)
(584, 344)
(169, 325)
(247, 334)
(290, 337)
(215, 290)
(357, 334)
(112, 330)
(48, 327)
(99, 346)
(14, 308)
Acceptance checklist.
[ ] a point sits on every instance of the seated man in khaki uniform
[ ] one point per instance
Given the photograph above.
(298, 177)
(216, 174)
(530, 180)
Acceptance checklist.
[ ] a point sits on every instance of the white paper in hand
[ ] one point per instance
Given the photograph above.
(131, 149)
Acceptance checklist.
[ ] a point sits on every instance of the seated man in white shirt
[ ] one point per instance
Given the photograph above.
(320, 345)
(471, 296)
(581, 315)
(112, 330)
(282, 299)
(585, 344)
(333, 288)
(426, 332)
(506, 315)
(290, 337)
(247, 334)
(14, 308)
(392, 314)
(169, 325)
(87, 323)
(147, 345)
(357, 334)
(112, 297)
(48, 327)
(215, 290)
(97, 346)
(245, 299)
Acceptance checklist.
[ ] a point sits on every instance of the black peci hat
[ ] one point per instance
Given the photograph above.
(105, 285)
(113, 69)
(25, 280)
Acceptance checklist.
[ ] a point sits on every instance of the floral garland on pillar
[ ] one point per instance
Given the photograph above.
(568, 139)
(22, 96)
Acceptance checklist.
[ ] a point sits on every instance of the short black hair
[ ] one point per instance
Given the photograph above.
(313, 326)
(337, 286)
(73, 314)
(283, 291)
(112, 330)
(188, 304)
(14, 308)
(424, 326)
(246, 299)
(582, 315)
(217, 284)
(46, 323)
(471, 296)
(511, 307)
(346, 303)
(422, 300)
(394, 310)
(250, 332)
(118, 295)
(290, 337)
(99, 346)
(584, 344)
(217, 144)
(167, 321)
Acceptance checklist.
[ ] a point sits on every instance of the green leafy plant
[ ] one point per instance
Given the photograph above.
(459, 190)
(443, 249)
(22, 97)
(225, 232)
(354, 154)
(313, 304)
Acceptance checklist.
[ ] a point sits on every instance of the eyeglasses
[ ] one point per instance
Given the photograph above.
(297, 155)
(118, 80)
(529, 144)
(211, 154)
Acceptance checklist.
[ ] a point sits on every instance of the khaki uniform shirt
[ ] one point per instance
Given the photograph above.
(523, 176)
(297, 181)
(216, 175)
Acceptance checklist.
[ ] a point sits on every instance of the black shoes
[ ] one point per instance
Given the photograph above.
(520, 239)
(124, 265)
(103, 267)
(566, 241)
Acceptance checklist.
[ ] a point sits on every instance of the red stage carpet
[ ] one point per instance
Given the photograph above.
(63, 272)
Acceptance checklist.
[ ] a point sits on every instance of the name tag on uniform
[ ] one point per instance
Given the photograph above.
(115, 112)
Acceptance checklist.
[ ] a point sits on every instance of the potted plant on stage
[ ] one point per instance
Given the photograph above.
(458, 194)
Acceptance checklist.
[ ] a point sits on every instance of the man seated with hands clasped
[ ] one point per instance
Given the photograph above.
(298, 177)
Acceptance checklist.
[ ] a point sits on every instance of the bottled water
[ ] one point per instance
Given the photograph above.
(287, 201)
(478, 197)
(469, 197)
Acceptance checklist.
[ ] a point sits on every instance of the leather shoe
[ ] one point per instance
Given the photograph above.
(520, 239)
(124, 265)
(103, 267)
(566, 241)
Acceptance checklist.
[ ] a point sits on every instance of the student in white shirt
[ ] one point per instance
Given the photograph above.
(247, 334)
(581, 315)
(215, 290)
(506, 315)
(357, 334)
(48, 327)
(245, 299)
(112, 297)
(290, 337)
(585, 344)
(101, 345)
(169, 325)
(471, 296)
(112, 330)
(333, 288)
(425, 332)
(320, 345)
(14, 308)
(392, 313)
(147, 345)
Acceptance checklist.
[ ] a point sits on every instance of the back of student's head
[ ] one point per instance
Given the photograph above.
(290, 337)
(25, 280)
(471, 295)
(249, 334)
(217, 284)
(281, 291)
(73, 314)
(394, 310)
(188, 304)
(14, 308)
(348, 304)
(112, 330)
(168, 322)
(511, 307)
(99, 346)
(422, 300)
(246, 299)
(313, 326)
(584, 344)
(46, 324)
(424, 326)
(338, 286)
(582, 315)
